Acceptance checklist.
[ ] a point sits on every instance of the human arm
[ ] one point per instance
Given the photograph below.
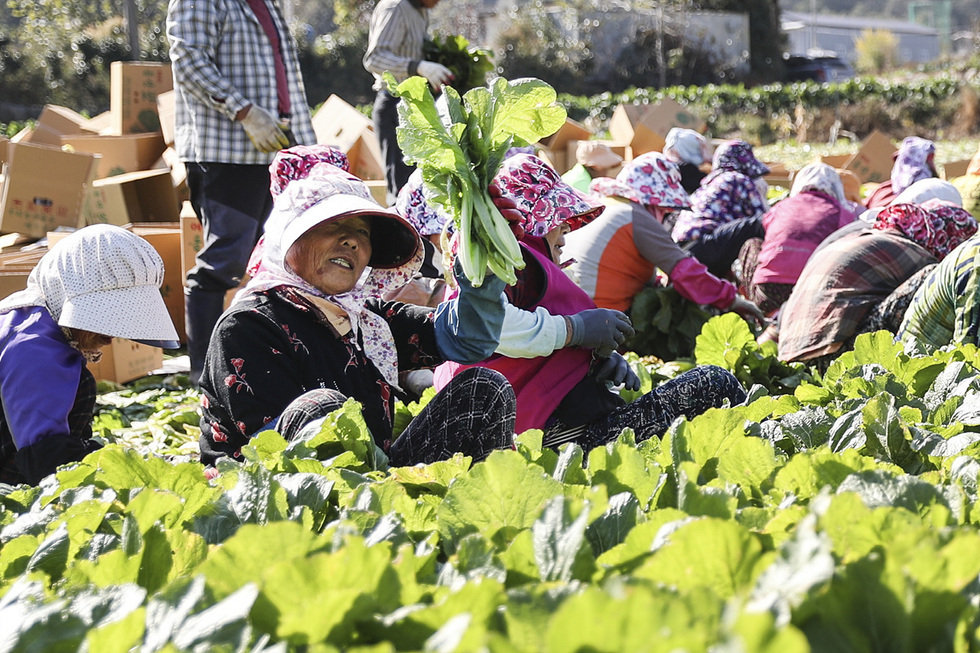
(194, 30)
(468, 326)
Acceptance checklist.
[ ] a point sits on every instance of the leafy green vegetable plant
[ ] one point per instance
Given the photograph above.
(460, 150)
(469, 65)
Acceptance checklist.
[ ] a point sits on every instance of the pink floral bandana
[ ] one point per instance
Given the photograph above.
(939, 227)
(296, 163)
(650, 180)
(541, 196)
(414, 207)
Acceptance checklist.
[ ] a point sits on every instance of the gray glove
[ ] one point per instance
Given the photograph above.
(602, 329)
(617, 371)
(264, 130)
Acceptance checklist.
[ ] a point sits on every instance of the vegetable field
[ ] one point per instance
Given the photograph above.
(827, 514)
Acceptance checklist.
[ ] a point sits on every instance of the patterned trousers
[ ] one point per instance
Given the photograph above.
(474, 415)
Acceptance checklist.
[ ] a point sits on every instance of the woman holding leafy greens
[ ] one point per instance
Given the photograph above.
(561, 386)
(311, 331)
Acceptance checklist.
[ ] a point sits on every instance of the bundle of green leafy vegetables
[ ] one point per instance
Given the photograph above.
(468, 65)
(459, 157)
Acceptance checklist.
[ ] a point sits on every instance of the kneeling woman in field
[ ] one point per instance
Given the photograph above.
(312, 330)
(98, 283)
(562, 386)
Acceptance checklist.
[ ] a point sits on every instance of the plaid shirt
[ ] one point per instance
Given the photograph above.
(222, 62)
(840, 286)
(395, 39)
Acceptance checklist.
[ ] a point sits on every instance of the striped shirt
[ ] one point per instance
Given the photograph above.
(945, 309)
(222, 62)
(398, 29)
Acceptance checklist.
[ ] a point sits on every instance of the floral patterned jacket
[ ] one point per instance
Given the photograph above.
(276, 345)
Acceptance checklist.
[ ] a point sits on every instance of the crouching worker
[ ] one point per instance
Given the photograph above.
(311, 330)
(99, 283)
(562, 372)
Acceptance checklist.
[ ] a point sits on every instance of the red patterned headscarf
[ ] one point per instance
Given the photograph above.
(938, 226)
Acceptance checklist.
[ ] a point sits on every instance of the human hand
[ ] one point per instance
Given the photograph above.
(508, 209)
(435, 73)
(601, 329)
(617, 371)
(748, 310)
(263, 129)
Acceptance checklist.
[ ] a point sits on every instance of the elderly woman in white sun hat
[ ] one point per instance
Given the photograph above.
(99, 283)
(688, 150)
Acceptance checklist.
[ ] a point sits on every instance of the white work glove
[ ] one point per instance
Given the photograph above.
(264, 130)
(436, 73)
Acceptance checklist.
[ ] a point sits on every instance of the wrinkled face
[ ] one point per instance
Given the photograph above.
(556, 240)
(332, 256)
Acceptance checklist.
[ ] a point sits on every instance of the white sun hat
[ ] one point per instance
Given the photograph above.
(102, 279)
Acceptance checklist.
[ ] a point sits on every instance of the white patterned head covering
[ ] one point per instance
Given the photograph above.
(686, 146)
(819, 177)
(102, 279)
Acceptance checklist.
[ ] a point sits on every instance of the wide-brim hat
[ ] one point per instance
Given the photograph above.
(393, 239)
(111, 282)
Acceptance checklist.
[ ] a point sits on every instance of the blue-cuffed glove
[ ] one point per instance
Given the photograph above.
(468, 326)
(617, 371)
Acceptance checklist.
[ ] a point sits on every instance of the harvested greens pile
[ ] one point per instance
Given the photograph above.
(459, 157)
(468, 65)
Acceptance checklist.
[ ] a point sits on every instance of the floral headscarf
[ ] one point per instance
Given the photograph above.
(541, 196)
(914, 161)
(818, 177)
(650, 180)
(737, 155)
(412, 205)
(296, 163)
(938, 229)
(324, 182)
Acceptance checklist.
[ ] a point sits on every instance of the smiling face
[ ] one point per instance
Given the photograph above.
(332, 256)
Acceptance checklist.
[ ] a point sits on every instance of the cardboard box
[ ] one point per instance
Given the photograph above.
(191, 238)
(167, 111)
(125, 360)
(379, 190)
(3, 150)
(955, 169)
(134, 86)
(873, 161)
(779, 174)
(836, 160)
(645, 128)
(100, 124)
(365, 157)
(338, 123)
(570, 131)
(44, 188)
(11, 282)
(119, 154)
(53, 123)
(145, 196)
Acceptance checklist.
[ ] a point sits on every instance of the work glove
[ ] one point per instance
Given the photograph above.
(601, 329)
(264, 130)
(508, 209)
(616, 371)
(748, 310)
(436, 73)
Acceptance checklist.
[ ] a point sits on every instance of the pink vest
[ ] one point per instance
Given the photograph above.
(540, 383)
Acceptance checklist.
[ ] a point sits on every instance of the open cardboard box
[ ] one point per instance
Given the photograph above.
(954, 169)
(124, 360)
(44, 188)
(133, 90)
(145, 196)
(645, 127)
(873, 161)
(53, 123)
(340, 124)
(119, 154)
(167, 111)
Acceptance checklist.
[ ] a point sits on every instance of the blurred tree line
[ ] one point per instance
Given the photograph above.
(60, 51)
